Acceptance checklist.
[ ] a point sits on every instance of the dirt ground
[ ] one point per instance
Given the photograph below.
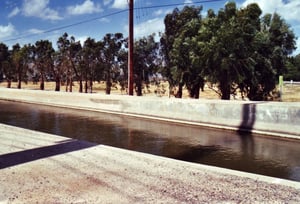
(291, 93)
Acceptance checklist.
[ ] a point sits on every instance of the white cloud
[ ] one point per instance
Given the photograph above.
(81, 39)
(104, 20)
(150, 26)
(160, 12)
(120, 4)
(87, 7)
(106, 2)
(14, 12)
(188, 1)
(40, 9)
(35, 31)
(7, 31)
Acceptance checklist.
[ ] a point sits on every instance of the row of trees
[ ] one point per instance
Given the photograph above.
(104, 60)
(234, 48)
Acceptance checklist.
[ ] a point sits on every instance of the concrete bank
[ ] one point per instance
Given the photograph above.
(271, 118)
(43, 168)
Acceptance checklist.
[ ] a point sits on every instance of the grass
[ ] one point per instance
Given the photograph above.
(291, 93)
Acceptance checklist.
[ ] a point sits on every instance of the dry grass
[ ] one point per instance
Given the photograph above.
(291, 93)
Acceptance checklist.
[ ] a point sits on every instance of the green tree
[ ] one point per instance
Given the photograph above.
(6, 67)
(145, 65)
(175, 23)
(65, 60)
(293, 68)
(89, 64)
(43, 60)
(239, 50)
(272, 45)
(112, 46)
(4, 56)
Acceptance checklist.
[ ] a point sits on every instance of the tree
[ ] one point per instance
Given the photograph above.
(6, 65)
(175, 22)
(293, 68)
(75, 58)
(89, 54)
(272, 45)
(236, 50)
(145, 65)
(112, 44)
(43, 60)
(65, 59)
(186, 70)
(4, 56)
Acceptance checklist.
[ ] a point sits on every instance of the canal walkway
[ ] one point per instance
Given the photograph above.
(37, 167)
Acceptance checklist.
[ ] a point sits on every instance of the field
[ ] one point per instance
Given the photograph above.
(291, 92)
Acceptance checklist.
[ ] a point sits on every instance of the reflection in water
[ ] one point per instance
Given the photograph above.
(256, 154)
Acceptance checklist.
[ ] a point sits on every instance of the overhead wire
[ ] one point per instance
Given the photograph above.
(22, 36)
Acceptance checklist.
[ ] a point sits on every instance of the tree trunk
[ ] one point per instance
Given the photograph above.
(91, 86)
(71, 84)
(225, 91)
(57, 83)
(8, 83)
(197, 91)
(42, 84)
(108, 86)
(80, 86)
(179, 92)
(86, 86)
(19, 84)
(67, 84)
(138, 87)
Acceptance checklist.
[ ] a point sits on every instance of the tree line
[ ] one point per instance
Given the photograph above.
(235, 49)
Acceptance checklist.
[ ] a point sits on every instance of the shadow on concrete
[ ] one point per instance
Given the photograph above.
(21, 157)
(248, 119)
(245, 129)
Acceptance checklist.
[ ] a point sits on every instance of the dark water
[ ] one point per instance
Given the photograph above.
(255, 154)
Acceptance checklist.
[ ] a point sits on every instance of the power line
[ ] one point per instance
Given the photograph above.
(179, 4)
(22, 36)
(67, 26)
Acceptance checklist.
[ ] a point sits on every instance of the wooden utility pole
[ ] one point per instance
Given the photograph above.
(130, 47)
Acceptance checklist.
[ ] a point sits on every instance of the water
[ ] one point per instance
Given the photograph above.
(255, 154)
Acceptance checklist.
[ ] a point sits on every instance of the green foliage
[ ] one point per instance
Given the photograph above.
(293, 68)
(180, 26)
(234, 48)
(145, 63)
(4, 60)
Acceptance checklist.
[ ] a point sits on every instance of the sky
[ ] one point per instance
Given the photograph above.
(27, 21)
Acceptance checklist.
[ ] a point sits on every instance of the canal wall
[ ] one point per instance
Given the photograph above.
(270, 118)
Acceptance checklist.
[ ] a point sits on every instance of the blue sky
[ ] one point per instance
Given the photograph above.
(26, 21)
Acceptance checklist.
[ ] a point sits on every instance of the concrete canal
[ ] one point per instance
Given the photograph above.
(258, 154)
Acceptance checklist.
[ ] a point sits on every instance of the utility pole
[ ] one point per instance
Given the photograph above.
(130, 47)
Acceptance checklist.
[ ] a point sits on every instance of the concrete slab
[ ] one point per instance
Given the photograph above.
(43, 168)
